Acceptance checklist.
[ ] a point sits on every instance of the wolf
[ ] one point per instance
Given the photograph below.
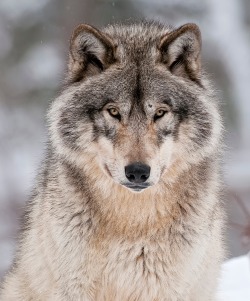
(128, 202)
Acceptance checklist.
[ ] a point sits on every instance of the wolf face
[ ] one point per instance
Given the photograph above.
(136, 103)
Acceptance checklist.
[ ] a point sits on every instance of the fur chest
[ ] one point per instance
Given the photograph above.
(148, 270)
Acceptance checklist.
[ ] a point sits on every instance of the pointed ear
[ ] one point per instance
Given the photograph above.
(180, 51)
(91, 52)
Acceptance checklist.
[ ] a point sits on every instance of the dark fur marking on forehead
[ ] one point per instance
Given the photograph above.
(138, 93)
(137, 107)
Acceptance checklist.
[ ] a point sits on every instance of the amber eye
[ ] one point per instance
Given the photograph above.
(159, 113)
(114, 113)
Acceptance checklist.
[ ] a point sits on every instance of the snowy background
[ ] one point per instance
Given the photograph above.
(34, 38)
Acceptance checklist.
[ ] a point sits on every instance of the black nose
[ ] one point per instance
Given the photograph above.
(137, 172)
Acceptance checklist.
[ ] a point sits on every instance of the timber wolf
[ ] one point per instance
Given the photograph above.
(127, 204)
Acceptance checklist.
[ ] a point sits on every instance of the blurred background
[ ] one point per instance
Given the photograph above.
(34, 37)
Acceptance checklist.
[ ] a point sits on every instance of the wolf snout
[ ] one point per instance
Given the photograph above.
(137, 172)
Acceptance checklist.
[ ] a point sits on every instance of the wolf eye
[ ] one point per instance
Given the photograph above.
(114, 113)
(159, 113)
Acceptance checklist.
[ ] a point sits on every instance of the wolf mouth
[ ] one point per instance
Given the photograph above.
(137, 187)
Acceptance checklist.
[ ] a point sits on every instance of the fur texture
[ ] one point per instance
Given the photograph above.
(135, 94)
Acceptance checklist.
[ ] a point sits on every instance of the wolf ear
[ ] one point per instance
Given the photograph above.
(180, 51)
(91, 52)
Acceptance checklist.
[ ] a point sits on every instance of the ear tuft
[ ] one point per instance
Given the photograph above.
(180, 51)
(91, 52)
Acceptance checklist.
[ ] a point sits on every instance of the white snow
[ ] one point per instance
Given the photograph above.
(235, 280)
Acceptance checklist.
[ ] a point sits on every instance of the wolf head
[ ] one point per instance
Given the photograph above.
(136, 105)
